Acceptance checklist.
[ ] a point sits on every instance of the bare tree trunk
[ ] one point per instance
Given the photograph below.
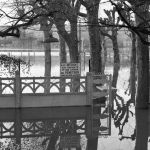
(142, 96)
(133, 69)
(47, 50)
(73, 45)
(116, 67)
(45, 27)
(63, 59)
(104, 53)
(70, 38)
(72, 42)
(95, 50)
(94, 34)
(63, 56)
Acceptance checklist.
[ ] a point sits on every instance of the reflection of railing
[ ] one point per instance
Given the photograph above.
(40, 128)
(42, 85)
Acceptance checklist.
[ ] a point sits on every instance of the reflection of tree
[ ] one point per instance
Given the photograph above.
(43, 134)
(141, 129)
(121, 116)
(61, 128)
(120, 113)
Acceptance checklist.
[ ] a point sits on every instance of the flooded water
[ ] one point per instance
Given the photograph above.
(69, 128)
(60, 128)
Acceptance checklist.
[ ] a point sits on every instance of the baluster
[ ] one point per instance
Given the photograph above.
(71, 85)
(62, 84)
(46, 85)
(0, 86)
(33, 85)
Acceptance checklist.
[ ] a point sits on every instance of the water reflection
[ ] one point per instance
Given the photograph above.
(50, 128)
(142, 129)
(62, 128)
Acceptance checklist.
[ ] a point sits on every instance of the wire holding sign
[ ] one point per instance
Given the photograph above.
(70, 69)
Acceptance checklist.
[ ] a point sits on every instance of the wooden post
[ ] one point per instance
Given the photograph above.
(17, 90)
(89, 87)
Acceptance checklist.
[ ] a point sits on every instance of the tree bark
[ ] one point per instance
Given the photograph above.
(47, 51)
(94, 34)
(63, 59)
(63, 55)
(104, 53)
(133, 69)
(142, 96)
(71, 39)
(116, 66)
(71, 36)
(73, 45)
(46, 27)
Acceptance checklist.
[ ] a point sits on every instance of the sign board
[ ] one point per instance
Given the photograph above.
(70, 141)
(69, 69)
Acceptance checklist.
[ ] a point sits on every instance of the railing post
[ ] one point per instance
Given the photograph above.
(47, 85)
(62, 84)
(17, 90)
(89, 88)
(0, 86)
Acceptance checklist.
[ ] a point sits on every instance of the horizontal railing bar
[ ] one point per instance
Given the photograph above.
(7, 78)
(38, 135)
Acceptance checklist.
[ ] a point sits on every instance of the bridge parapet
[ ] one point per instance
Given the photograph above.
(42, 85)
(52, 91)
(7, 86)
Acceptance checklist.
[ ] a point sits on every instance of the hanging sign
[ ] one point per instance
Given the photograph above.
(69, 69)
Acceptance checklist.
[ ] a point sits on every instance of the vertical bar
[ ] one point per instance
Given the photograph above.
(0, 86)
(62, 81)
(33, 85)
(80, 46)
(89, 88)
(17, 90)
(89, 124)
(34, 57)
(110, 102)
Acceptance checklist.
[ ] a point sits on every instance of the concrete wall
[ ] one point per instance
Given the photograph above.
(28, 100)
(7, 101)
(53, 100)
